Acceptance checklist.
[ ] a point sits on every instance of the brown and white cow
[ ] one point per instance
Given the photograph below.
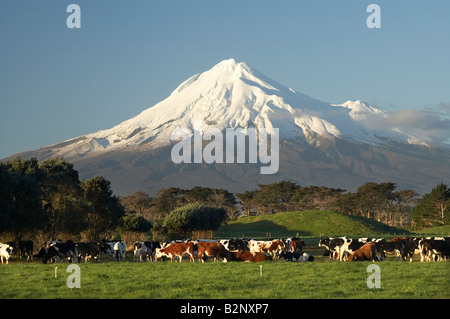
(252, 257)
(177, 249)
(295, 244)
(271, 247)
(215, 249)
(366, 252)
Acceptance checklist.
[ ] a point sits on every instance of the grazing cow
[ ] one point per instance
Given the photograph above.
(335, 246)
(272, 247)
(432, 248)
(25, 248)
(140, 251)
(88, 251)
(391, 247)
(235, 245)
(177, 249)
(5, 252)
(105, 247)
(15, 248)
(154, 245)
(366, 252)
(157, 254)
(56, 251)
(51, 254)
(120, 250)
(409, 248)
(215, 249)
(255, 257)
(151, 245)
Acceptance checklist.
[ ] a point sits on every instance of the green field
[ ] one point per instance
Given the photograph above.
(281, 280)
(321, 279)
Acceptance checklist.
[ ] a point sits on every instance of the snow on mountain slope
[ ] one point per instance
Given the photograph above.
(232, 95)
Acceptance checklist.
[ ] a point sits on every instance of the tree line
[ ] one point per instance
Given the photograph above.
(378, 201)
(49, 198)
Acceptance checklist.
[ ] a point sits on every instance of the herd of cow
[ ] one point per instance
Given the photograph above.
(429, 249)
(289, 249)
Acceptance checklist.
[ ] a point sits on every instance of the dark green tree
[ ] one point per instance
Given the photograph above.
(134, 222)
(372, 200)
(167, 200)
(405, 201)
(433, 208)
(275, 197)
(20, 204)
(61, 197)
(140, 203)
(103, 207)
(315, 197)
(194, 217)
(248, 200)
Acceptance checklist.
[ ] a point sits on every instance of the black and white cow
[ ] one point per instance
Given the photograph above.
(5, 252)
(351, 245)
(435, 248)
(60, 251)
(296, 256)
(235, 245)
(391, 247)
(107, 247)
(141, 250)
(120, 249)
(90, 250)
(25, 249)
(151, 248)
(335, 246)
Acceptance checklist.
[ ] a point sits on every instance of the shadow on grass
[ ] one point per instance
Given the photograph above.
(378, 227)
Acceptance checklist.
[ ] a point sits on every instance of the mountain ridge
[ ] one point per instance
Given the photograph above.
(232, 95)
(328, 143)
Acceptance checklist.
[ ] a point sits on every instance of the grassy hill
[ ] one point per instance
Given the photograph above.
(436, 231)
(313, 223)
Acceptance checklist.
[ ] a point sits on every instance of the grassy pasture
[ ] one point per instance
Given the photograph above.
(321, 279)
(281, 280)
(309, 223)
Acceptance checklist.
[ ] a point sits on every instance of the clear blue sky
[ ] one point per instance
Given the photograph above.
(58, 83)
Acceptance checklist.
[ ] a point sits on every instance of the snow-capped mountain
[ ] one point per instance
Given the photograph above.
(232, 95)
(321, 144)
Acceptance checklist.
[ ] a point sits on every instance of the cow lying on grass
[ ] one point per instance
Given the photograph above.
(296, 257)
(252, 257)
(366, 252)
